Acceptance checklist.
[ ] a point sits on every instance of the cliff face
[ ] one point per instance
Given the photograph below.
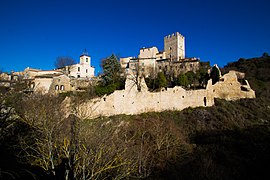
(131, 101)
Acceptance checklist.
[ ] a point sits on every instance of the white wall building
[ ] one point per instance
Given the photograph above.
(83, 69)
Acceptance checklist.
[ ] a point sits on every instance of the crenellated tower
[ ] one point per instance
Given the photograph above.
(174, 46)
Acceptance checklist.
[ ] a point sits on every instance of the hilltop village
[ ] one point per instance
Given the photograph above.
(136, 98)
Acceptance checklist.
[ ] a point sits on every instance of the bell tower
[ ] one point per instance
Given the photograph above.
(85, 59)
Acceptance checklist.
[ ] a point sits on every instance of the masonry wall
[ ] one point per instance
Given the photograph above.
(42, 84)
(174, 46)
(132, 101)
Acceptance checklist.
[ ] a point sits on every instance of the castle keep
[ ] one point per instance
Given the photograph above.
(171, 61)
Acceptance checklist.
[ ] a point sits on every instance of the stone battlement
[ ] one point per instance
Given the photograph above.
(174, 35)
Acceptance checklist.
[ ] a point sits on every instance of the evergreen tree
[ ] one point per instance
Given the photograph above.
(161, 80)
(215, 74)
(111, 70)
(182, 80)
(191, 77)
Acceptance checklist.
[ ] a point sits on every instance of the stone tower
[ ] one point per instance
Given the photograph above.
(85, 59)
(174, 46)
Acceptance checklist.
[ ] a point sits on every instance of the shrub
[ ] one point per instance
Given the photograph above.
(102, 90)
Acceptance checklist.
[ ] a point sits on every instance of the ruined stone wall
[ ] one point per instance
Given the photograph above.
(42, 84)
(229, 88)
(132, 101)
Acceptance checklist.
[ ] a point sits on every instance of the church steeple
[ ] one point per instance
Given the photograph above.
(85, 58)
(84, 53)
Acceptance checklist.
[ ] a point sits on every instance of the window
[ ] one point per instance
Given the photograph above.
(79, 69)
(56, 87)
(78, 76)
(86, 70)
(86, 59)
(32, 85)
(62, 87)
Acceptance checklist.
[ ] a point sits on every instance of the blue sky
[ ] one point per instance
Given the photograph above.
(35, 32)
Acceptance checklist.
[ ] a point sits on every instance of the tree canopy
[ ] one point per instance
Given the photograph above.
(182, 80)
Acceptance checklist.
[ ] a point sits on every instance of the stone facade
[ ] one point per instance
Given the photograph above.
(174, 46)
(60, 84)
(41, 84)
(131, 101)
(171, 61)
(175, 68)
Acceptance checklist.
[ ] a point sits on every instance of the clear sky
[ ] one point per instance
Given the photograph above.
(35, 32)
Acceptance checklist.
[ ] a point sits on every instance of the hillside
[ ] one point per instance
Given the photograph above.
(230, 140)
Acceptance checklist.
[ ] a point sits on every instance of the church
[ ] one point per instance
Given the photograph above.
(82, 69)
(68, 78)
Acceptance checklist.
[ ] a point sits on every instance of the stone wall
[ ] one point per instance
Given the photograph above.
(178, 67)
(131, 101)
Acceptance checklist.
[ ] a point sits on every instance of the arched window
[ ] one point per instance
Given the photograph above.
(62, 87)
(56, 87)
(32, 85)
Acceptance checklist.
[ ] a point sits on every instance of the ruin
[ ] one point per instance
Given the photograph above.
(131, 101)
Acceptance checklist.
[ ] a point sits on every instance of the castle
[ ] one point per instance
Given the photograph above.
(171, 61)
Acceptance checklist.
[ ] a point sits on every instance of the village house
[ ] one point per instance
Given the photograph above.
(62, 79)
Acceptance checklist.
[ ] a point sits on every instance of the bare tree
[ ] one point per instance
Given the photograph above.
(136, 73)
(80, 148)
(63, 61)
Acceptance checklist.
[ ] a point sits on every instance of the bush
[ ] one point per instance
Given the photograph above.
(102, 90)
